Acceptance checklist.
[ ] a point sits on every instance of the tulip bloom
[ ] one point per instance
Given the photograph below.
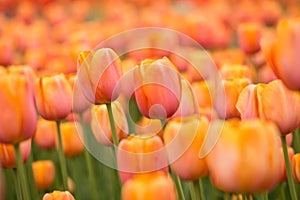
(249, 35)
(99, 74)
(45, 134)
(158, 88)
(71, 142)
(296, 167)
(58, 195)
(137, 154)
(53, 97)
(147, 127)
(258, 101)
(282, 54)
(246, 158)
(43, 172)
(100, 123)
(18, 115)
(148, 187)
(183, 139)
(8, 156)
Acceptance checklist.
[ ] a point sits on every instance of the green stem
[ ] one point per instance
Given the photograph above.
(192, 191)
(115, 140)
(288, 169)
(62, 160)
(33, 188)
(178, 185)
(265, 196)
(88, 159)
(21, 173)
(282, 191)
(227, 196)
(201, 189)
(197, 189)
(19, 192)
(296, 140)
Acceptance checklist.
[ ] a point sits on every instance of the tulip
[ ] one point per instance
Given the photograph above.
(183, 139)
(246, 158)
(147, 127)
(232, 89)
(137, 154)
(296, 167)
(53, 97)
(45, 134)
(258, 101)
(148, 187)
(282, 53)
(99, 75)
(71, 142)
(100, 123)
(18, 118)
(8, 156)
(158, 88)
(43, 172)
(58, 195)
(229, 72)
(249, 35)
(290, 155)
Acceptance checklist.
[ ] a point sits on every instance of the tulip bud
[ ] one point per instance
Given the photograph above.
(58, 195)
(43, 172)
(18, 118)
(158, 88)
(99, 75)
(183, 139)
(249, 35)
(246, 158)
(137, 154)
(149, 186)
(45, 134)
(100, 123)
(53, 97)
(8, 156)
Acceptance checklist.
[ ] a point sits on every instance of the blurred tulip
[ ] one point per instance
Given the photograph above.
(71, 141)
(232, 88)
(137, 154)
(100, 123)
(183, 139)
(282, 53)
(44, 173)
(147, 127)
(290, 154)
(58, 195)
(99, 74)
(8, 156)
(249, 35)
(158, 88)
(265, 74)
(246, 158)
(45, 134)
(53, 97)
(149, 186)
(18, 118)
(296, 167)
(258, 101)
(229, 72)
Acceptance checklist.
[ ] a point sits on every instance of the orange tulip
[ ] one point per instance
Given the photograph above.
(232, 89)
(246, 158)
(137, 154)
(158, 88)
(18, 116)
(45, 134)
(290, 154)
(7, 154)
(183, 139)
(148, 187)
(282, 54)
(100, 123)
(229, 72)
(58, 195)
(43, 172)
(53, 97)
(71, 142)
(146, 127)
(249, 35)
(258, 101)
(296, 167)
(99, 75)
